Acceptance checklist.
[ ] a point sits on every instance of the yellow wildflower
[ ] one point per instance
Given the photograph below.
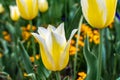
(81, 75)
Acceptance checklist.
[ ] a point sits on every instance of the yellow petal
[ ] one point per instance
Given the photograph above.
(43, 5)
(56, 48)
(28, 8)
(45, 55)
(99, 13)
(14, 13)
(95, 14)
(111, 8)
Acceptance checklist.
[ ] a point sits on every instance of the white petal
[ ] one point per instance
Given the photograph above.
(72, 34)
(84, 4)
(51, 28)
(60, 39)
(60, 29)
(42, 42)
(67, 46)
(54, 38)
(43, 32)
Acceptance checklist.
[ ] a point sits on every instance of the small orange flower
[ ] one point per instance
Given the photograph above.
(72, 50)
(81, 75)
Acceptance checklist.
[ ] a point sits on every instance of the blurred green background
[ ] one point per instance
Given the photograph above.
(16, 52)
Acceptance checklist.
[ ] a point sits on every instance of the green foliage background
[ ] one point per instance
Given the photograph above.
(15, 60)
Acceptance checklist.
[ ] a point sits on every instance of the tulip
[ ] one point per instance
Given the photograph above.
(99, 13)
(14, 13)
(54, 47)
(1, 8)
(28, 8)
(43, 5)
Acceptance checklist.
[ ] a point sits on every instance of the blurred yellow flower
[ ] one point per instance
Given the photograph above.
(43, 5)
(99, 13)
(93, 34)
(26, 32)
(72, 50)
(14, 13)
(54, 47)
(81, 75)
(6, 36)
(28, 8)
(1, 55)
(32, 59)
(1, 8)
(25, 74)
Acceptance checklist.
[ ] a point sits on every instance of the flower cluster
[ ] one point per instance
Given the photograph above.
(26, 31)
(32, 59)
(93, 34)
(6, 36)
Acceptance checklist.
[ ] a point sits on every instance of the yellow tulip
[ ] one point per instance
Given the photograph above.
(43, 5)
(54, 47)
(1, 8)
(28, 8)
(99, 13)
(14, 13)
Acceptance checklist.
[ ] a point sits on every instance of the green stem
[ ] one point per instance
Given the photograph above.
(75, 57)
(100, 55)
(57, 74)
(32, 40)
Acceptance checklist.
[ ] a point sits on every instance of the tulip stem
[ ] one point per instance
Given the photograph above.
(75, 57)
(57, 74)
(100, 55)
(32, 40)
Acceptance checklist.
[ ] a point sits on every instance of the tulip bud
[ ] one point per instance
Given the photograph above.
(28, 8)
(43, 5)
(54, 47)
(99, 13)
(1, 8)
(14, 13)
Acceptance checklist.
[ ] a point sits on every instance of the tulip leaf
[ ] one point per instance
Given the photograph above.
(44, 73)
(91, 61)
(26, 60)
(66, 78)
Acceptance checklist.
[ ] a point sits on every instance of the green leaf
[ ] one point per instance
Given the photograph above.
(91, 61)
(42, 71)
(66, 78)
(26, 60)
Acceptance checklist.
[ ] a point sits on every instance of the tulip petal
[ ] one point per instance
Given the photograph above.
(45, 55)
(51, 28)
(43, 32)
(96, 8)
(72, 34)
(21, 5)
(60, 30)
(64, 59)
(28, 8)
(111, 8)
(56, 45)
